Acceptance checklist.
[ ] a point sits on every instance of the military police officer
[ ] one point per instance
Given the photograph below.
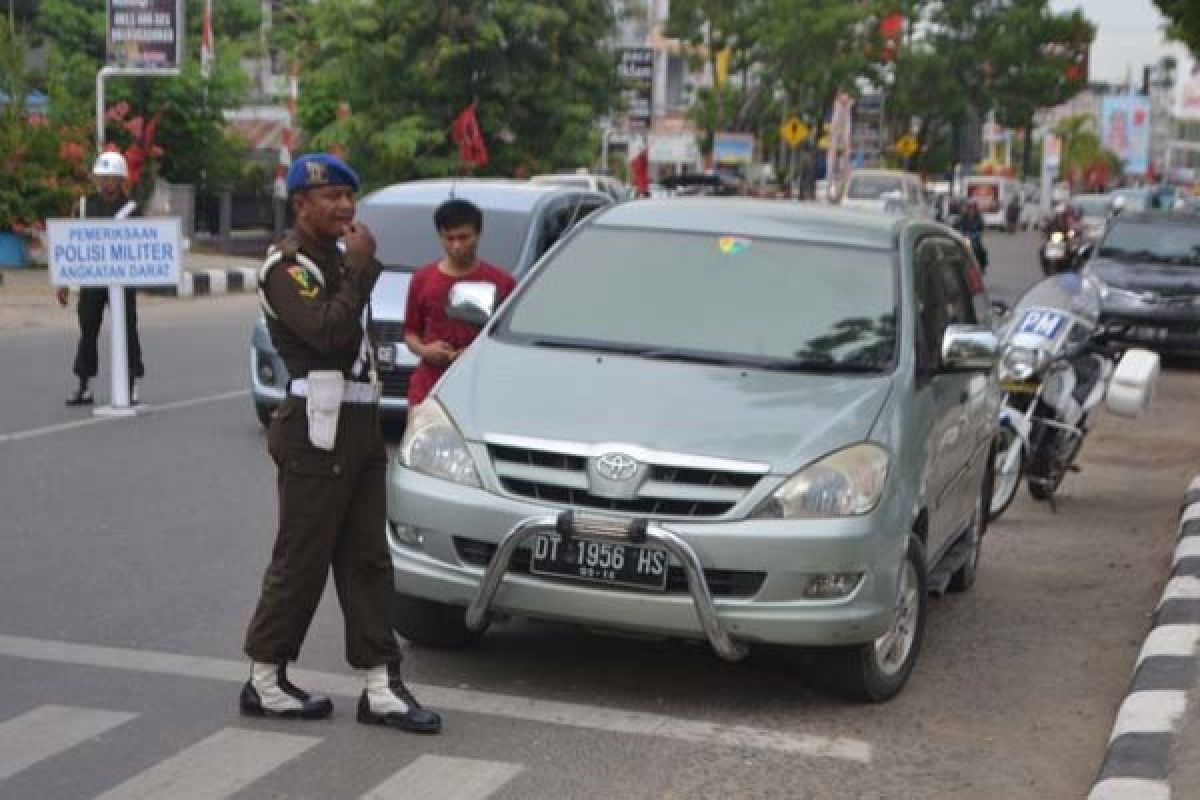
(327, 445)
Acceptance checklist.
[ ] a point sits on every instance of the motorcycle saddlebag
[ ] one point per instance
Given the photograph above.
(1132, 387)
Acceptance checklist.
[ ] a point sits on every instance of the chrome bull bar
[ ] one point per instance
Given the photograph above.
(570, 524)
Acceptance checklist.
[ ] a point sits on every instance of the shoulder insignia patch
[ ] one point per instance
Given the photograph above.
(307, 290)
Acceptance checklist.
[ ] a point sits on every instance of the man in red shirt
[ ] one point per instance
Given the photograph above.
(432, 336)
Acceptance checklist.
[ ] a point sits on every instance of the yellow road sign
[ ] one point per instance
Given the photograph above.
(907, 146)
(793, 131)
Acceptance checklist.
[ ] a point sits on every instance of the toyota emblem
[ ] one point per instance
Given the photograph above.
(616, 467)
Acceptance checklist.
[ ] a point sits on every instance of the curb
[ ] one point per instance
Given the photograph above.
(1138, 764)
(199, 282)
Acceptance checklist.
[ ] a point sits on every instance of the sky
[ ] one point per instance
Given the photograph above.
(1128, 36)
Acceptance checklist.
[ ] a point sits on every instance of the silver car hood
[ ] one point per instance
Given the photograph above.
(390, 295)
(784, 420)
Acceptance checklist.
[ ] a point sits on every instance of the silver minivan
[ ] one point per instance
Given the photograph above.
(712, 418)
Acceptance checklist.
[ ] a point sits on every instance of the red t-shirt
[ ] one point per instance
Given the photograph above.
(426, 317)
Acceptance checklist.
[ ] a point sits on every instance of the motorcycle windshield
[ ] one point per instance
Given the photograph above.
(1049, 307)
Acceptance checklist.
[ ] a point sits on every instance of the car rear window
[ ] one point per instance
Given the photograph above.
(716, 294)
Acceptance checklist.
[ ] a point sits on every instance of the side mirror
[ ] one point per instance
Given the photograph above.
(969, 348)
(472, 302)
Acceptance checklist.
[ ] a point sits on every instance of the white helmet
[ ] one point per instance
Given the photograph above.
(110, 164)
(1118, 203)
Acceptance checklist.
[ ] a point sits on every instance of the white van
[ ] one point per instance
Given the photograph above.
(992, 193)
(885, 189)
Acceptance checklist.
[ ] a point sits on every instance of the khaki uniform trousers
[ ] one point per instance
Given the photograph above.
(332, 514)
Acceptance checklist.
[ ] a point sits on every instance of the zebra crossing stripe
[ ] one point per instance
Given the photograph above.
(445, 779)
(215, 768)
(48, 731)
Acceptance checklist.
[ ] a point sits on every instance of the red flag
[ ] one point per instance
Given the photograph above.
(641, 173)
(206, 41)
(465, 133)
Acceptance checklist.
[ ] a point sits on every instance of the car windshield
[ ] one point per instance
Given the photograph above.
(1162, 242)
(406, 239)
(873, 187)
(707, 298)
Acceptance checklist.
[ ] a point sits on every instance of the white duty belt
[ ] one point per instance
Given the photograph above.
(354, 392)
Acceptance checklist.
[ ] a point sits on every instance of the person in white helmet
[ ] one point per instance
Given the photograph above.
(109, 200)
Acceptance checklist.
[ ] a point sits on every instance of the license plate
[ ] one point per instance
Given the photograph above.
(600, 562)
(386, 354)
(1019, 387)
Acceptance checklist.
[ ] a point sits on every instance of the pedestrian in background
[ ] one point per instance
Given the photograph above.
(429, 333)
(328, 448)
(110, 200)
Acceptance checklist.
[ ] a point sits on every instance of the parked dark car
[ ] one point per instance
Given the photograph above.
(1148, 270)
(521, 221)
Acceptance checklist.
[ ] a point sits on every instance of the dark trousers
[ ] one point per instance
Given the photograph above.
(332, 513)
(91, 313)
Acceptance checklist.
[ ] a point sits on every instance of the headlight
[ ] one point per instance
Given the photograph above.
(433, 445)
(1056, 236)
(1020, 363)
(843, 484)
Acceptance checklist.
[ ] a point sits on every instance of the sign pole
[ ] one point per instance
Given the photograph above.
(119, 366)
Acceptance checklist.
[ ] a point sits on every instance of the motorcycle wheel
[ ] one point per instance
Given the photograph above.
(1005, 484)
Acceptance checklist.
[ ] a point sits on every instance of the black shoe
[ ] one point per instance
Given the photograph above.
(414, 720)
(81, 397)
(284, 699)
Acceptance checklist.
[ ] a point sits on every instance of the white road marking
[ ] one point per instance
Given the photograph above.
(1181, 587)
(1152, 711)
(464, 700)
(220, 766)
(1170, 640)
(48, 731)
(1130, 789)
(1195, 485)
(1190, 514)
(1188, 547)
(445, 779)
(83, 423)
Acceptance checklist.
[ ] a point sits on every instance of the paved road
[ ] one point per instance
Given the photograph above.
(132, 552)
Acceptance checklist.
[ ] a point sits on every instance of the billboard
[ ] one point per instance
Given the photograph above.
(1187, 93)
(733, 148)
(635, 69)
(1125, 130)
(145, 34)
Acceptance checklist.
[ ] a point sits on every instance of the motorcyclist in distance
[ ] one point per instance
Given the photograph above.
(971, 226)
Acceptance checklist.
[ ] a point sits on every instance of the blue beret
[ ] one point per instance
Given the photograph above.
(319, 169)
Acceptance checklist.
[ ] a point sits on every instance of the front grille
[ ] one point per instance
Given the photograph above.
(668, 491)
(721, 582)
(386, 331)
(395, 381)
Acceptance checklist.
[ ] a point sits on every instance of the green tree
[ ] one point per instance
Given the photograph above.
(1185, 20)
(192, 131)
(404, 71)
(1031, 54)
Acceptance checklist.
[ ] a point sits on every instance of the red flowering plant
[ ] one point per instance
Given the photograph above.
(134, 137)
(44, 169)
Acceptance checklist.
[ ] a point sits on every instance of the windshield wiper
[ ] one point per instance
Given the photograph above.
(825, 366)
(583, 344)
(1138, 255)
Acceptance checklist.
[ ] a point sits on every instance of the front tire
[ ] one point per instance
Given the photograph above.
(875, 672)
(434, 624)
(1005, 484)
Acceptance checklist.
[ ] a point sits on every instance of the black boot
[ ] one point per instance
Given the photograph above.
(387, 701)
(82, 396)
(269, 693)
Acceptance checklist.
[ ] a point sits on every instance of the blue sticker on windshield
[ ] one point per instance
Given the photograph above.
(1042, 323)
(733, 245)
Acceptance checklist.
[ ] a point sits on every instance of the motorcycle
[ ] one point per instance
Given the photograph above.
(1060, 252)
(1058, 364)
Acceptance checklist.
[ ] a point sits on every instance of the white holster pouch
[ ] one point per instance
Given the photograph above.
(324, 403)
